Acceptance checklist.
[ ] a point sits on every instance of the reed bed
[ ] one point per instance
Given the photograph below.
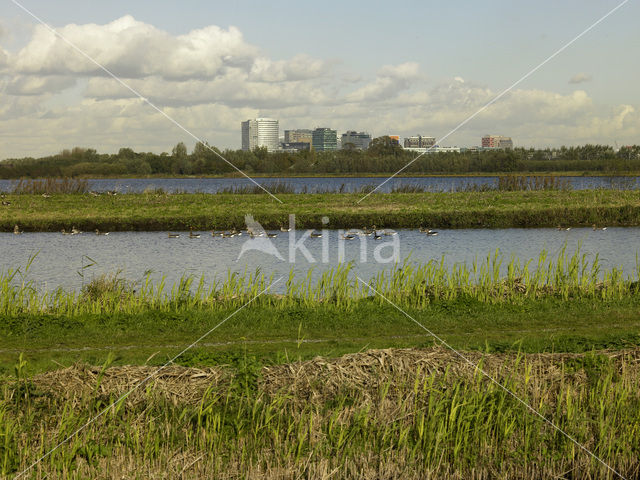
(40, 186)
(409, 414)
(408, 284)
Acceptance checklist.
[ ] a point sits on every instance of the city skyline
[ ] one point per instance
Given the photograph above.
(213, 66)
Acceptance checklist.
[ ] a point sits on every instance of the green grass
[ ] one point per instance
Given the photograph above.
(156, 211)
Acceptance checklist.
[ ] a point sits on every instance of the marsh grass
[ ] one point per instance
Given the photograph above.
(50, 186)
(407, 284)
(408, 414)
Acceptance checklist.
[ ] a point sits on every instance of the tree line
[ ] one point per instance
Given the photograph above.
(383, 156)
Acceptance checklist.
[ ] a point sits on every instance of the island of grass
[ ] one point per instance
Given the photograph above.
(156, 211)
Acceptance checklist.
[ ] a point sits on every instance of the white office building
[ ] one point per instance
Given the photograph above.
(261, 132)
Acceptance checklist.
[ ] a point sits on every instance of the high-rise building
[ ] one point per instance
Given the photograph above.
(261, 132)
(418, 141)
(300, 135)
(356, 140)
(324, 139)
(496, 141)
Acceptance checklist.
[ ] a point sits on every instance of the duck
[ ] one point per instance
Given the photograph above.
(390, 232)
(75, 231)
(376, 236)
(315, 235)
(283, 229)
(6, 204)
(46, 195)
(216, 234)
(16, 230)
(272, 235)
(431, 233)
(347, 236)
(235, 232)
(597, 228)
(193, 235)
(64, 232)
(98, 232)
(565, 229)
(173, 235)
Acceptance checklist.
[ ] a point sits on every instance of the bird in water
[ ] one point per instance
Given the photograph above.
(283, 229)
(75, 231)
(98, 232)
(193, 235)
(597, 228)
(173, 235)
(16, 230)
(563, 229)
(315, 235)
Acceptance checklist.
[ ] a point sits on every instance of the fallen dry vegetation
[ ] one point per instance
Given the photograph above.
(381, 414)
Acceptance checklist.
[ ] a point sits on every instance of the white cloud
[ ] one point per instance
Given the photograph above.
(580, 78)
(210, 79)
(390, 81)
(38, 85)
(133, 49)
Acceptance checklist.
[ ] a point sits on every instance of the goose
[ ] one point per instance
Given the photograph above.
(431, 233)
(565, 229)
(348, 236)
(376, 236)
(315, 235)
(46, 195)
(193, 235)
(173, 235)
(235, 232)
(64, 232)
(390, 232)
(283, 229)
(75, 231)
(597, 228)
(6, 204)
(98, 232)
(216, 234)
(272, 235)
(16, 230)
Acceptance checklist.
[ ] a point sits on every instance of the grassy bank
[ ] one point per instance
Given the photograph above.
(160, 211)
(408, 414)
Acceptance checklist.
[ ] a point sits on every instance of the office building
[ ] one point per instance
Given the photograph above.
(294, 147)
(261, 132)
(496, 141)
(324, 139)
(298, 136)
(355, 140)
(418, 141)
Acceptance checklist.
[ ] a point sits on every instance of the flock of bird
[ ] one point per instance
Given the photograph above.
(349, 235)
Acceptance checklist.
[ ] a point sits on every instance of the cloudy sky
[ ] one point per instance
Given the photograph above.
(404, 68)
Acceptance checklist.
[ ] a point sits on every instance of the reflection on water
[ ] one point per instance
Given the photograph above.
(60, 259)
(315, 184)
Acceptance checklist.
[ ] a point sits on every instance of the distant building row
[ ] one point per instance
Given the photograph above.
(265, 132)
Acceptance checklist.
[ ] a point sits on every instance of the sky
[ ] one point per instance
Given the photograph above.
(403, 68)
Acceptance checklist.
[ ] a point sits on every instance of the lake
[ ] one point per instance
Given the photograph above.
(319, 184)
(60, 259)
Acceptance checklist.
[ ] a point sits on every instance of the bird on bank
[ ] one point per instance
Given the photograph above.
(5, 204)
(173, 235)
(46, 195)
(16, 230)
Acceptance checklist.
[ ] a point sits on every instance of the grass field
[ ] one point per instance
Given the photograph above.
(327, 380)
(160, 211)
